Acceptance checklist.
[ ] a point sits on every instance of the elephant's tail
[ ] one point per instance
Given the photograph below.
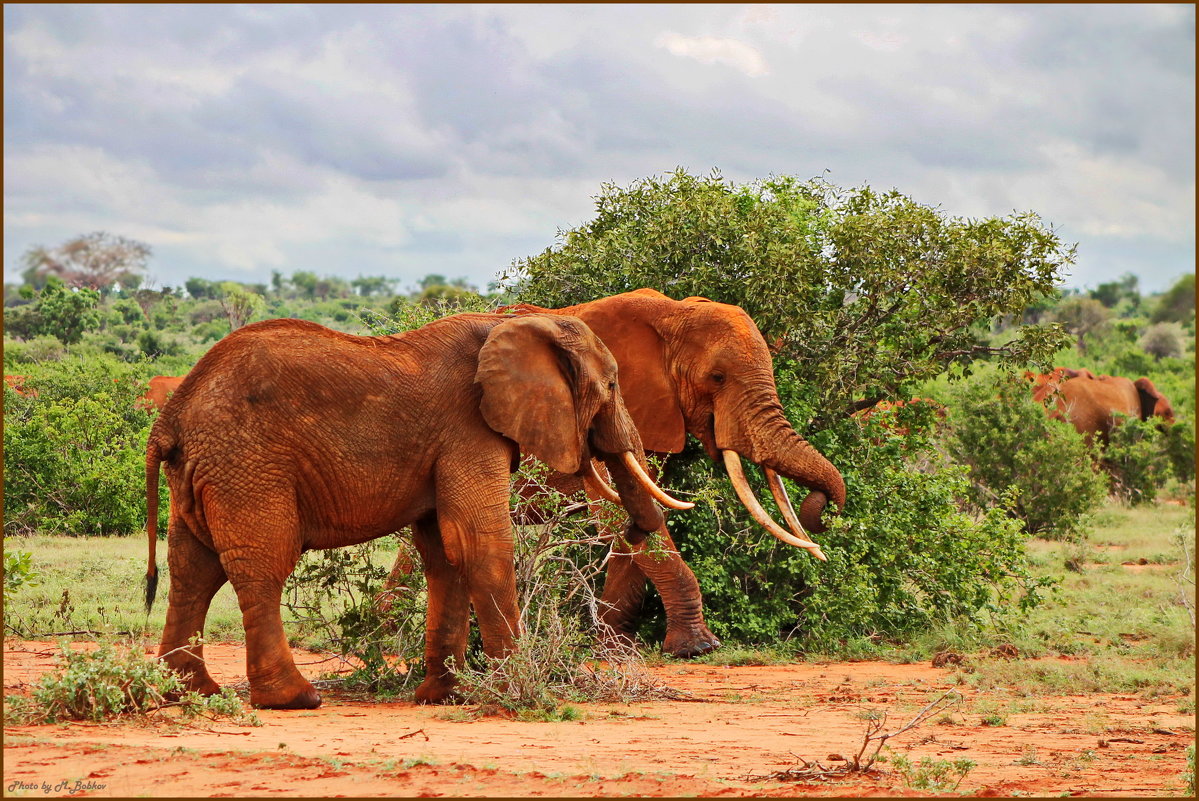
(153, 460)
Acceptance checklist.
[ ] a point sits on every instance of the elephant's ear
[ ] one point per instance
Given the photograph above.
(625, 324)
(528, 393)
(1152, 401)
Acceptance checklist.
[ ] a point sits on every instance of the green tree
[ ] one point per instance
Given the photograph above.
(1085, 318)
(1177, 304)
(239, 304)
(368, 286)
(59, 311)
(305, 282)
(861, 295)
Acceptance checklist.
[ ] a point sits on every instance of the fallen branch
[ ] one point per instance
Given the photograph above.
(859, 763)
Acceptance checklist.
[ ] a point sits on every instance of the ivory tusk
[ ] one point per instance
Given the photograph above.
(783, 500)
(732, 462)
(659, 494)
(596, 486)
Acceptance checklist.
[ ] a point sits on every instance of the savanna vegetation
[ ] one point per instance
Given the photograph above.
(961, 529)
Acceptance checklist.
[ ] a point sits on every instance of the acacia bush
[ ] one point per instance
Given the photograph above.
(1041, 471)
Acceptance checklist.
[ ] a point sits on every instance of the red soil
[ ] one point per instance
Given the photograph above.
(742, 728)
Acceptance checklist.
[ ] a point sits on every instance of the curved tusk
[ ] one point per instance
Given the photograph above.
(596, 486)
(732, 462)
(630, 461)
(783, 500)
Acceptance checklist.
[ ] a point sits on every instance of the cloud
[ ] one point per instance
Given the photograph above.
(715, 50)
(432, 138)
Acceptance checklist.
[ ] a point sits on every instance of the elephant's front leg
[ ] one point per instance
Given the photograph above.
(634, 558)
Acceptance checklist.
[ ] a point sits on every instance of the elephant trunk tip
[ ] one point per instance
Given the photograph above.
(151, 587)
(810, 509)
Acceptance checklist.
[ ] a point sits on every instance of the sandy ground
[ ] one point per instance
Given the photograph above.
(741, 730)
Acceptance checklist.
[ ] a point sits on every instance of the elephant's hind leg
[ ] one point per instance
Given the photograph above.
(196, 575)
(259, 545)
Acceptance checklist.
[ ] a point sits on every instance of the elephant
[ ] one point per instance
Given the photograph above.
(161, 387)
(17, 384)
(698, 367)
(288, 436)
(1091, 402)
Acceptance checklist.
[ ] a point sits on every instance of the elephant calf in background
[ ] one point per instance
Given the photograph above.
(1091, 402)
(697, 367)
(288, 436)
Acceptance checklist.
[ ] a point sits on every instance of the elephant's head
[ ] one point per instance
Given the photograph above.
(699, 367)
(1153, 403)
(550, 385)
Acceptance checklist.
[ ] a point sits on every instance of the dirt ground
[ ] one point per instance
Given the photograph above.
(737, 735)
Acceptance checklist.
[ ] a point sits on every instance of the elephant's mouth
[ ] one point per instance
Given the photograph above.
(596, 485)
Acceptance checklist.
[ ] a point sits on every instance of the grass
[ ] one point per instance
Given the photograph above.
(95, 584)
(1129, 627)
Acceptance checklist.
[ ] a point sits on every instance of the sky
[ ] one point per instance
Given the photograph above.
(404, 140)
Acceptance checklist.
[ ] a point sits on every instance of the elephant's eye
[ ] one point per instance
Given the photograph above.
(611, 386)
(718, 378)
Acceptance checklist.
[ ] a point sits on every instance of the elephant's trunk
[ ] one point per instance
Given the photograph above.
(774, 445)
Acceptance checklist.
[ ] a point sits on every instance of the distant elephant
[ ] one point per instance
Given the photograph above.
(161, 387)
(937, 407)
(288, 436)
(1091, 402)
(17, 384)
(697, 367)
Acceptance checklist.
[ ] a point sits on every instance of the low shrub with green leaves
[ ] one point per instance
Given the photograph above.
(1040, 470)
(901, 558)
(1137, 460)
(112, 682)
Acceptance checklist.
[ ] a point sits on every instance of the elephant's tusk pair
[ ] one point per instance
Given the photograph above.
(732, 462)
(596, 486)
(630, 461)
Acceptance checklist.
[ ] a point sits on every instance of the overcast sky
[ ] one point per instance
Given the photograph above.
(405, 139)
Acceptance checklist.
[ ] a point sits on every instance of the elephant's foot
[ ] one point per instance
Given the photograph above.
(305, 697)
(690, 641)
(434, 690)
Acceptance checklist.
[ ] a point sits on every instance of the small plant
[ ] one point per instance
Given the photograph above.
(932, 774)
(18, 572)
(112, 682)
(1190, 771)
(993, 719)
(1029, 757)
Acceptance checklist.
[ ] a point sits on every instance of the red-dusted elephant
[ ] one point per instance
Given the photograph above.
(1092, 402)
(161, 387)
(698, 367)
(288, 436)
(17, 384)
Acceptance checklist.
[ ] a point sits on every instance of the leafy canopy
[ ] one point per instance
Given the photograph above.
(864, 292)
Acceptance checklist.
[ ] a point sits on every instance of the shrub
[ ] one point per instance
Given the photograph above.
(18, 572)
(1040, 470)
(75, 454)
(1164, 340)
(901, 558)
(1137, 460)
(112, 682)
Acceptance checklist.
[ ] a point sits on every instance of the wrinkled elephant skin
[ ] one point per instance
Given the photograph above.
(288, 436)
(701, 368)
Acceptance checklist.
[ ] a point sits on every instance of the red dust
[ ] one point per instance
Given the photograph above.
(742, 729)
